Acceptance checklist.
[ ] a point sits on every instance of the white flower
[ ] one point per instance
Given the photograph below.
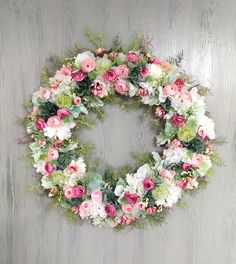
(144, 171)
(174, 193)
(81, 57)
(207, 125)
(154, 70)
(97, 210)
(119, 190)
(75, 171)
(46, 182)
(175, 155)
(135, 184)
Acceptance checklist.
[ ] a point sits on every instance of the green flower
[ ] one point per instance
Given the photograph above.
(64, 100)
(58, 178)
(160, 192)
(103, 65)
(186, 133)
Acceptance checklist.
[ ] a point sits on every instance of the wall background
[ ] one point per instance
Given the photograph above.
(31, 30)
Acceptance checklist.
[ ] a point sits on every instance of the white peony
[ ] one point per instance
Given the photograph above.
(174, 193)
(154, 70)
(81, 57)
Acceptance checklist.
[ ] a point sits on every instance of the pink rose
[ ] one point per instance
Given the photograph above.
(141, 206)
(96, 196)
(167, 174)
(40, 124)
(75, 209)
(180, 83)
(49, 168)
(185, 95)
(127, 208)
(178, 120)
(76, 167)
(144, 72)
(54, 122)
(110, 76)
(176, 143)
(171, 90)
(42, 143)
(110, 210)
(53, 154)
(122, 71)
(77, 100)
(142, 92)
(132, 56)
(100, 51)
(65, 70)
(63, 112)
(202, 133)
(69, 192)
(88, 65)
(78, 76)
(155, 60)
(148, 183)
(182, 184)
(160, 112)
(99, 88)
(196, 160)
(131, 198)
(79, 191)
(127, 220)
(84, 210)
(45, 93)
(121, 86)
(186, 166)
(57, 144)
(151, 210)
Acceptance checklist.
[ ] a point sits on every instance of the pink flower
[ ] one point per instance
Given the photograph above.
(76, 167)
(75, 209)
(79, 191)
(151, 210)
(40, 124)
(53, 154)
(65, 70)
(42, 143)
(196, 160)
(96, 196)
(144, 72)
(141, 206)
(186, 166)
(100, 51)
(78, 76)
(168, 174)
(185, 95)
(180, 83)
(57, 144)
(127, 220)
(155, 60)
(88, 65)
(110, 76)
(84, 210)
(178, 120)
(131, 198)
(99, 88)
(171, 90)
(69, 192)
(121, 86)
(160, 112)
(122, 71)
(148, 183)
(202, 133)
(127, 208)
(110, 210)
(182, 184)
(176, 144)
(54, 122)
(132, 56)
(63, 112)
(45, 93)
(49, 168)
(77, 100)
(142, 92)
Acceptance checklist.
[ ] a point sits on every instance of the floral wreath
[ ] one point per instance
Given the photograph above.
(69, 98)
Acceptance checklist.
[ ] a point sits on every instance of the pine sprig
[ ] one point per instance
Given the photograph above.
(96, 39)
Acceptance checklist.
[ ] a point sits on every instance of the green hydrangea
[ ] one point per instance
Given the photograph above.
(160, 192)
(186, 133)
(58, 178)
(64, 100)
(103, 65)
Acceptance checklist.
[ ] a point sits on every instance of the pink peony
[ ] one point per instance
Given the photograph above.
(84, 210)
(110, 210)
(122, 71)
(110, 76)
(167, 174)
(88, 65)
(45, 93)
(144, 72)
(99, 88)
(77, 100)
(196, 160)
(127, 208)
(178, 120)
(180, 83)
(131, 198)
(148, 183)
(54, 122)
(186, 166)
(160, 112)
(132, 56)
(171, 90)
(78, 75)
(121, 86)
(49, 168)
(65, 70)
(79, 191)
(96, 196)
(63, 112)
(40, 124)
(69, 192)
(52, 154)
(57, 144)
(185, 95)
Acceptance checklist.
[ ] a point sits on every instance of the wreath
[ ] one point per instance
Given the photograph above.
(72, 95)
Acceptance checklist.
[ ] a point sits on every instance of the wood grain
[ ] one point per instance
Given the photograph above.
(32, 30)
